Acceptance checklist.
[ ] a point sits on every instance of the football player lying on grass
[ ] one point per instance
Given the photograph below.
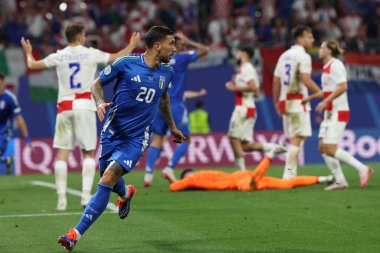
(242, 180)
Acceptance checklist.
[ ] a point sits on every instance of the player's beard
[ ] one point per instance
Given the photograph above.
(164, 59)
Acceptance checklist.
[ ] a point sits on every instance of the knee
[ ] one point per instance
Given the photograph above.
(321, 148)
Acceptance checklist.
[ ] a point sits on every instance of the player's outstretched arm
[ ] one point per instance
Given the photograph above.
(195, 94)
(202, 49)
(31, 62)
(340, 89)
(310, 84)
(167, 114)
(135, 38)
(98, 94)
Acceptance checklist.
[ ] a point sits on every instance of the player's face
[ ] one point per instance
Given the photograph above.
(308, 40)
(167, 48)
(324, 51)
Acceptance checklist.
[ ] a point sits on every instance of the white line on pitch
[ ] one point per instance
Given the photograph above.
(71, 191)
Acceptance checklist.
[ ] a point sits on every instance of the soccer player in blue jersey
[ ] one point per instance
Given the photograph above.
(179, 62)
(141, 83)
(9, 111)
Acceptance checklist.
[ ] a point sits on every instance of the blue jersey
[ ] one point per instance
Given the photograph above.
(179, 62)
(137, 95)
(9, 109)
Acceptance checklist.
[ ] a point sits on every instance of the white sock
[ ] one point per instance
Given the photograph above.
(78, 234)
(240, 163)
(334, 165)
(325, 179)
(60, 172)
(88, 174)
(268, 146)
(291, 162)
(350, 160)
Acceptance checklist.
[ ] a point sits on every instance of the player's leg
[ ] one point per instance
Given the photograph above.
(277, 183)
(364, 171)
(3, 148)
(159, 134)
(121, 159)
(298, 127)
(95, 207)
(64, 140)
(87, 139)
(240, 130)
(329, 135)
(182, 121)
(237, 148)
(264, 146)
(60, 173)
(152, 157)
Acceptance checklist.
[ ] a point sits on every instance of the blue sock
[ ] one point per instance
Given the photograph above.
(119, 187)
(153, 155)
(179, 152)
(97, 205)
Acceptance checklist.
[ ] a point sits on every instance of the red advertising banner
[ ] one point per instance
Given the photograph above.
(205, 151)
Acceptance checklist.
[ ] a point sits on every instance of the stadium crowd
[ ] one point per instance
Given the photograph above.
(218, 23)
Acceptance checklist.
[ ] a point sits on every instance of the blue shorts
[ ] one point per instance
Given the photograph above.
(180, 117)
(126, 153)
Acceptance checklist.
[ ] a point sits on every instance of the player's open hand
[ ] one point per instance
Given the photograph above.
(181, 36)
(102, 108)
(320, 107)
(135, 39)
(26, 45)
(202, 92)
(177, 135)
(305, 100)
(230, 86)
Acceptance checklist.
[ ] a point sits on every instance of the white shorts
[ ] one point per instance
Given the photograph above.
(331, 131)
(297, 124)
(75, 125)
(241, 127)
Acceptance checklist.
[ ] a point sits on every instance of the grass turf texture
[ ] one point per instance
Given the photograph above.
(305, 219)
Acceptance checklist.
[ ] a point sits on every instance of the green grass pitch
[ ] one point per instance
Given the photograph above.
(305, 219)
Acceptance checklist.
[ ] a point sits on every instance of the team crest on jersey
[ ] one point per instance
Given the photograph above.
(161, 83)
(107, 70)
(2, 105)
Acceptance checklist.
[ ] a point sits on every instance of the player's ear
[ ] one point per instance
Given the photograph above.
(157, 46)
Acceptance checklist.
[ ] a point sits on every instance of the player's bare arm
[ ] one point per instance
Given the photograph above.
(251, 87)
(312, 97)
(195, 94)
(276, 89)
(167, 114)
(342, 88)
(202, 49)
(98, 94)
(31, 62)
(135, 38)
(310, 84)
